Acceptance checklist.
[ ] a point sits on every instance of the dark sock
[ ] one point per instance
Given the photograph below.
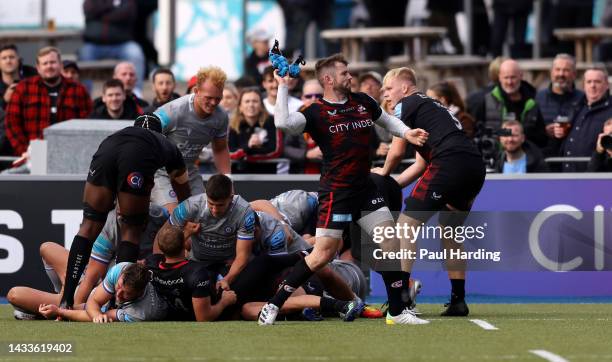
(127, 251)
(457, 290)
(80, 250)
(406, 288)
(393, 284)
(300, 274)
(330, 305)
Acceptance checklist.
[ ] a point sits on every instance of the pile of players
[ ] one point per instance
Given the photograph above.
(218, 257)
(183, 274)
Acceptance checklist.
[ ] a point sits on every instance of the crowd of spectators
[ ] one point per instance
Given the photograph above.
(562, 119)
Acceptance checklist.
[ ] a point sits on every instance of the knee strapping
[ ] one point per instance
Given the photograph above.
(138, 219)
(92, 214)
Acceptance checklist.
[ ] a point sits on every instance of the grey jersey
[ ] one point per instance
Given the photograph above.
(191, 134)
(148, 307)
(352, 275)
(216, 240)
(106, 244)
(299, 208)
(187, 130)
(274, 238)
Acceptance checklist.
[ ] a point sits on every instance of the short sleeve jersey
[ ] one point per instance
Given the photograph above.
(343, 131)
(148, 307)
(216, 240)
(178, 283)
(105, 246)
(445, 131)
(182, 126)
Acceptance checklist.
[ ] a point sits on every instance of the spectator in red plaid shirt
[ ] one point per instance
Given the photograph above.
(43, 100)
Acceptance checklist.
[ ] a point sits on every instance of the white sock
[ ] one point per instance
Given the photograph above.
(55, 280)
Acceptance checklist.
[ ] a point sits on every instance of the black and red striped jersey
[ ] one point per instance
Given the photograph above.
(343, 131)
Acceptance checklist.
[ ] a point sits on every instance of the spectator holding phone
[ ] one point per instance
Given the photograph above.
(601, 160)
(253, 136)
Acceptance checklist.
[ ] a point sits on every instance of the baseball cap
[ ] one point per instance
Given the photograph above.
(371, 74)
(71, 64)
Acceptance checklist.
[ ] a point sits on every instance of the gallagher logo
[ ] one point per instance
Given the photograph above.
(135, 180)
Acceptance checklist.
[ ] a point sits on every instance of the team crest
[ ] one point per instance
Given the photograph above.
(172, 194)
(135, 180)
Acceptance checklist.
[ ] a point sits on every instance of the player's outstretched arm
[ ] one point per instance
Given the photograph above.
(243, 252)
(205, 312)
(52, 311)
(413, 172)
(221, 155)
(95, 303)
(394, 157)
(292, 123)
(94, 272)
(267, 207)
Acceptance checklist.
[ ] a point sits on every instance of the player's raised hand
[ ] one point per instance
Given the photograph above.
(281, 80)
(417, 136)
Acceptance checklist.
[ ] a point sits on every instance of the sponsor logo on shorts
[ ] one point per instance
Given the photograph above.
(203, 284)
(342, 217)
(397, 284)
(435, 196)
(135, 180)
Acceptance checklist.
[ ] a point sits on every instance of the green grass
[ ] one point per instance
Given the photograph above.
(577, 332)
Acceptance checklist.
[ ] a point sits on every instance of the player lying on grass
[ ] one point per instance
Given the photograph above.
(55, 257)
(127, 283)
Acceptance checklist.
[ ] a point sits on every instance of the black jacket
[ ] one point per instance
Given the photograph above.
(600, 162)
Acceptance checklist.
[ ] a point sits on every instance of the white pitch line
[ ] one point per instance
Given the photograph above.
(549, 356)
(484, 324)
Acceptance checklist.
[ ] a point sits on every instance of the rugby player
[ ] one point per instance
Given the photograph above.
(126, 283)
(122, 168)
(341, 124)
(192, 122)
(184, 284)
(448, 166)
(226, 228)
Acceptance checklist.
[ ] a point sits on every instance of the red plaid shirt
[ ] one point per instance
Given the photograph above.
(28, 111)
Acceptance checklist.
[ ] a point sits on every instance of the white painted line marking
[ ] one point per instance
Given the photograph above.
(549, 356)
(484, 324)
